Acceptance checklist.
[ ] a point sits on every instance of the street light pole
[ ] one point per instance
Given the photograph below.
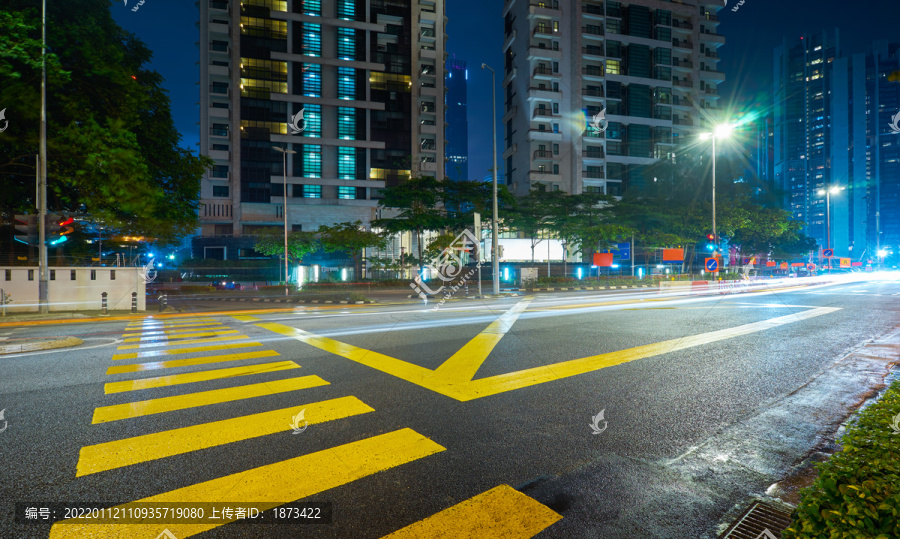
(828, 215)
(284, 152)
(495, 264)
(43, 292)
(715, 236)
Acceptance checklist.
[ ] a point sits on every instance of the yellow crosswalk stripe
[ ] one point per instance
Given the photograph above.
(130, 451)
(169, 326)
(246, 318)
(117, 412)
(274, 484)
(172, 331)
(190, 362)
(185, 336)
(184, 350)
(180, 342)
(162, 323)
(500, 512)
(202, 376)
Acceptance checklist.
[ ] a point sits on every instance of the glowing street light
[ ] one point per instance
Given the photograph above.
(721, 131)
(828, 192)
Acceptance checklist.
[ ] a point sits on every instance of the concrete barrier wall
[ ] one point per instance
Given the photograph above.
(74, 288)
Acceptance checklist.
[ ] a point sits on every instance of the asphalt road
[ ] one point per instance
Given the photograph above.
(419, 417)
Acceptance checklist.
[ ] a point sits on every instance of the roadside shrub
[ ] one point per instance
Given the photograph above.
(355, 296)
(857, 492)
(191, 289)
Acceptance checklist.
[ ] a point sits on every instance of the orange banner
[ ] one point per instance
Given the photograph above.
(770, 264)
(603, 260)
(673, 255)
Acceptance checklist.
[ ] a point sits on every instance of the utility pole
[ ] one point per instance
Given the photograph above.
(495, 265)
(43, 292)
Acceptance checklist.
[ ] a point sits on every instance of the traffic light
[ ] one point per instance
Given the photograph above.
(711, 242)
(27, 229)
(58, 228)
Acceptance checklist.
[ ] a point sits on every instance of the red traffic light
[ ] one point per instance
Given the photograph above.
(710, 237)
(67, 222)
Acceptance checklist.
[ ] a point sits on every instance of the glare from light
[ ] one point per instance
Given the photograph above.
(723, 130)
(343, 274)
(882, 253)
(579, 273)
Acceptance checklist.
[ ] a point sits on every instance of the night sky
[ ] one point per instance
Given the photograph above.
(475, 28)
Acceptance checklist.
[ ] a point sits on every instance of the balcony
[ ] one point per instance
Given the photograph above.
(683, 83)
(218, 90)
(218, 4)
(682, 102)
(543, 30)
(218, 28)
(543, 72)
(593, 32)
(510, 76)
(427, 35)
(712, 74)
(592, 11)
(710, 91)
(543, 93)
(683, 44)
(547, 9)
(543, 176)
(682, 121)
(593, 174)
(682, 65)
(711, 37)
(593, 51)
(507, 43)
(593, 153)
(590, 92)
(510, 114)
(542, 155)
(543, 53)
(544, 113)
(543, 135)
(682, 25)
(593, 71)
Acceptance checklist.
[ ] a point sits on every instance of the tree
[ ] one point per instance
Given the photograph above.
(112, 146)
(350, 237)
(415, 203)
(534, 214)
(270, 242)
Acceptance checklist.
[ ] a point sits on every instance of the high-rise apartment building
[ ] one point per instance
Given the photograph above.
(803, 143)
(865, 217)
(353, 89)
(457, 168)
(648, 66)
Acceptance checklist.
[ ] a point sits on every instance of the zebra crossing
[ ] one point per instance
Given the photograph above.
(155, 347)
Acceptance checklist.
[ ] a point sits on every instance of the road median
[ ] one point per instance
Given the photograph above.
(15, 346)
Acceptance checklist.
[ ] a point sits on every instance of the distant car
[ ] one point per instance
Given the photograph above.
(226, 285)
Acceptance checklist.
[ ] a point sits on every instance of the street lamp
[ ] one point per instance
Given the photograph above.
(827, 193)
(721, 131)
(495, 263)
(284, 152)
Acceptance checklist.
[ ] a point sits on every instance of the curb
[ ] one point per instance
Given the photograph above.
(572, 289)
(35, 346)
(261, 300)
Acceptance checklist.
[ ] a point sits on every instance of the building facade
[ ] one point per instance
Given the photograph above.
(352, 89)
(803, 75)
(457, 168)
(596, 92)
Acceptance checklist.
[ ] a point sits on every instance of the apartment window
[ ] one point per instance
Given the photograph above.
(219, 130)
(219, 171)
(346, 163)
(348, 193)
(556, 26)
(219, 88)
(296, 228)
(345, 10)
(52, 275)
(220, 147)
(346, 123)
(346, 83)
(220, 46)
(312, 191)
(219, 63)
(312, 80)
(72, 275)
(346, 43)
(556, 149)
(556, 67)
(556, 128)
(311, 40)
(556, 169)
(556, 108)
(313, 117)
(217, 105)
(224, 230)
(220, 190)
(311, 161)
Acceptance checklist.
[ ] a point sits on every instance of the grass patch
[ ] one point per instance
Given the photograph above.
(857, 492)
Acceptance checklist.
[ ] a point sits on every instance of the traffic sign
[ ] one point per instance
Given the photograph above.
(811, 267)
(622, 251)
(845, 262)
(828, 253)
(784, 265)
(712, 264)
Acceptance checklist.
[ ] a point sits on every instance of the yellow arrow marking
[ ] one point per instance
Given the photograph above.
(444, 381)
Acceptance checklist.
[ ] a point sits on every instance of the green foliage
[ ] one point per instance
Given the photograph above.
(112, 146)
(270, 241)
(857, 492)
